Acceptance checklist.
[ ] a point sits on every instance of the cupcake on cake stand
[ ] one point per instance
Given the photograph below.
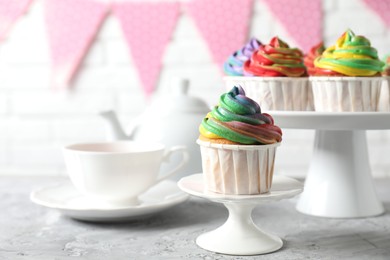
(239, 235)
(238, 145)
(345, 87)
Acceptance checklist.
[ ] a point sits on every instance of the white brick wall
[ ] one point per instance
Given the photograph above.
(36, 121)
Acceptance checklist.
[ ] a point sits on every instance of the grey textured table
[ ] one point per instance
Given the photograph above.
(28, 231)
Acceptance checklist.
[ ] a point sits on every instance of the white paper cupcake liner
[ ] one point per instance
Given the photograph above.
(346, 94)
(275, 93)
(384, 99)
(237, 169)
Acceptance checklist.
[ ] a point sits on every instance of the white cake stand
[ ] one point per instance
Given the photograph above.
(239, 235)
(339, 182)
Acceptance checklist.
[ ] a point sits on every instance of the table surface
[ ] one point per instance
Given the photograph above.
(29, 231)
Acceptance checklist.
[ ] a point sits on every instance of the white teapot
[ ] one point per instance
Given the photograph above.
(172, 119)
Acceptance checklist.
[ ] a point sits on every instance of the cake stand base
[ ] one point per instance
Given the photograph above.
(339, 182)
(239, 235)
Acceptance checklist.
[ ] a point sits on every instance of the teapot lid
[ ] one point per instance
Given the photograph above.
(178, 100)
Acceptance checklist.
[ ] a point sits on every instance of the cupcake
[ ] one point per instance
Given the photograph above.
(276, 78)
(238, 145)
(384, 100)
(348, 77)
(309, 58)
(234, 64)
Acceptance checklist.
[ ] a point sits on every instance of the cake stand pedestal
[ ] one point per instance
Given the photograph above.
(239, 235)
(339, 182)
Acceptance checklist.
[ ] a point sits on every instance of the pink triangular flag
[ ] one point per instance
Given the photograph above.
(71, 27)
(382, 8)
(302, 20)
(10, 11)
(147, 28)
(224, 24)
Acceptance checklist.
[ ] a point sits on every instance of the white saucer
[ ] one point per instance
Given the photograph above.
(65, 198)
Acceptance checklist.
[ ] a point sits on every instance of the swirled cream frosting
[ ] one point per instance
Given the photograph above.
(352, 55)
(276, 59)
(237, 119)
(234, 64)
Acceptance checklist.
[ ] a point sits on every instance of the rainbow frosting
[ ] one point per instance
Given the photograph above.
(234, 64)
(386, 68)
(352, 55)
(239, 120)
(276, 59)
(309, 58)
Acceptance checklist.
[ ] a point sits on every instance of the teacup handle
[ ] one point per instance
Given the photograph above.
(183, 162)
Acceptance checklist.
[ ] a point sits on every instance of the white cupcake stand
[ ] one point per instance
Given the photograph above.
(339, 182)
(239, 235)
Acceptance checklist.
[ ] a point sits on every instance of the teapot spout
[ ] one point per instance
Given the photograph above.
(114, 128)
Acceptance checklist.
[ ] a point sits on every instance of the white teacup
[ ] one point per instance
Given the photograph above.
(117, 172)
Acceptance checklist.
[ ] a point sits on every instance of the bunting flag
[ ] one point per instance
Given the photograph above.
(224, 24)
(147, 28)
(10, 11)
(71, 27)
(302, 20)
(382, 8)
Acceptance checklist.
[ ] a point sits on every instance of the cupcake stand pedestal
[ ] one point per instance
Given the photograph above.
(339, 182)
(239, 235)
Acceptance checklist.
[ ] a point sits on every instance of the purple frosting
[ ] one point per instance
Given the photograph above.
(234, 64)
